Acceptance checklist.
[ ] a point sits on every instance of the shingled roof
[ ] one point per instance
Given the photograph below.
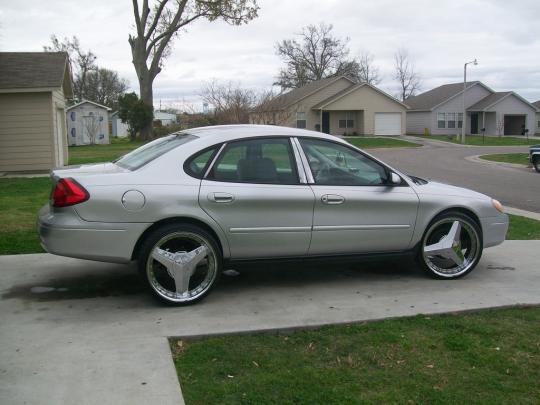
(536, 104)
(29, 70)
(489, 100)
(432, 98)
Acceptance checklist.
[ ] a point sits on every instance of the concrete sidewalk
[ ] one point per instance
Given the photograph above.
(85, 332)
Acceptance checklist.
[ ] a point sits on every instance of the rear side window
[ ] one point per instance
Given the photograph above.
(196, 165)
(261, 161)
(146, 153)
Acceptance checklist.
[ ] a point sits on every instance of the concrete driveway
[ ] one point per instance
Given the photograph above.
(517, 187)
(82, 332)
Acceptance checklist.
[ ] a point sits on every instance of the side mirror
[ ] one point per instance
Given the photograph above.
(394, 179)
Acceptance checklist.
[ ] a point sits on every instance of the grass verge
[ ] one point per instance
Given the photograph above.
(101, 153)
(477, 140)
(373, 142)
(486, 357)
(515, 158)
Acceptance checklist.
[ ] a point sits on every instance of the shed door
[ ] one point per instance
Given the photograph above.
(388, 124)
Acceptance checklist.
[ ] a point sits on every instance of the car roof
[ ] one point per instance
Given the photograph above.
(226, 132)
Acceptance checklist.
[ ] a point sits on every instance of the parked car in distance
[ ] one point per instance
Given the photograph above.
(192, 203)
(534, 157)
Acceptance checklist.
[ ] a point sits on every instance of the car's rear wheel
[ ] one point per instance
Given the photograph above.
(180, 263)
(536, 164)
(451, 246)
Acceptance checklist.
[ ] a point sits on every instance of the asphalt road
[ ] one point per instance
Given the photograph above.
(513, 186)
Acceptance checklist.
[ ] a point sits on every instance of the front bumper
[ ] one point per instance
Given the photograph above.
(62, 232)
(494, 229)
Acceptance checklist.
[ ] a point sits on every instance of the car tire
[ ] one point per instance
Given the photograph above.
(536, 164)
(173, 251)
(445, 255)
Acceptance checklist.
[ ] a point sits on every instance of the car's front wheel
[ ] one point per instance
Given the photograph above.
(180, 263)
(451, 246)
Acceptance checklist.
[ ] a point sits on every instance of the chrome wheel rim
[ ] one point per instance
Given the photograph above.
(451, 247)
(181, 267)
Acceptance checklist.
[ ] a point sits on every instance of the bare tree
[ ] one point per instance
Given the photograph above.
(232, 103)
(81, 62)
(158, 24)
(104, 86)
(405, 74)
(367, 71)
(92, 126)
(271, 109)
(315, 55)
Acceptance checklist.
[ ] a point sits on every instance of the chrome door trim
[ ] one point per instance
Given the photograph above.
(305, 163)
(299, 166)
(357, 227)
(265, 229)
(214, 160)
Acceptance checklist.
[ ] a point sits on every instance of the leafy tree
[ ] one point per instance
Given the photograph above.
(134, 112)
(315, 55)
(158, 24)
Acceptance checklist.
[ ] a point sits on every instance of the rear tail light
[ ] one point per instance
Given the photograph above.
(68, 192)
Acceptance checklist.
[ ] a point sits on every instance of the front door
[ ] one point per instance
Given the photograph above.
(253, 192)
(326, 122)
(356, 211)
(474, 123)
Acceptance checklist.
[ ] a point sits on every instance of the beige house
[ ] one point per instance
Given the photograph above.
(337, 106)
(33, 90)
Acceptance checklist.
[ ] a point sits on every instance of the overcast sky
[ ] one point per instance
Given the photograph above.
(439, 35)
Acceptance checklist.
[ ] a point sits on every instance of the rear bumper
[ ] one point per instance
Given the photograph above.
(62, 232)
(494, 229)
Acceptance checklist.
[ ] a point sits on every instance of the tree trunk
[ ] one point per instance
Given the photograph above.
(147, 96)
(145, 77)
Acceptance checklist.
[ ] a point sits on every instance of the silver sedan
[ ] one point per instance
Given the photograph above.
(187, 205)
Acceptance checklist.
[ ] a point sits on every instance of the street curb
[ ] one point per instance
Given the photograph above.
(522, 213)
(478, 159)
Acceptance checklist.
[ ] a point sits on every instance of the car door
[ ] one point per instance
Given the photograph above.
(356, 209)
(253, 190)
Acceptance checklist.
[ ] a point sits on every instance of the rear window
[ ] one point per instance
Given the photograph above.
(146, 153)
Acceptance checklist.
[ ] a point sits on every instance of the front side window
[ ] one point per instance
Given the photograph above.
(146, 153)
(335, 164)
(300, 120)
(441, 123)
(261, 161)
(451, 117)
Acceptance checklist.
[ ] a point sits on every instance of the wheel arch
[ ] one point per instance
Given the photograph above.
(180, 220)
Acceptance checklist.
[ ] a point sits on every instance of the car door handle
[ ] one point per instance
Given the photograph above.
(332, 199)
(221, 197)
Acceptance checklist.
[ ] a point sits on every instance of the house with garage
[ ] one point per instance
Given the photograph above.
(537, 105)
(337, 106)
(34, 87)
(440, 111)
(88, 123)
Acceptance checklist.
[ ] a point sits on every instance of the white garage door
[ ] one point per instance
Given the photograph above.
(388, 124)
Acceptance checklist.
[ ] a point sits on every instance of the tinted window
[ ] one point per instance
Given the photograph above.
(197, 164)
(267, 161)
(335, 164)
(146, 153)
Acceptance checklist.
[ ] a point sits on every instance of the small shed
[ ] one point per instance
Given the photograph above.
(88, 123)
(34, 87)
(118, 128)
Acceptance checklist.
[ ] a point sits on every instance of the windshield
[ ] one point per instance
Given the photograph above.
(141, 156)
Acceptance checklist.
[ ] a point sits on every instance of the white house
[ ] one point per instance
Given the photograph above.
(165, 118)
(87, 123)
(118, 128)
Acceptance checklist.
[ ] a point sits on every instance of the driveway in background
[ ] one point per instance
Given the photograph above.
(448, 163)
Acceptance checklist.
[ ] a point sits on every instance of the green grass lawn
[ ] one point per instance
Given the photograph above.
(516, 158)
(486, 357)
(101, 153)
(373, 142)
(477, 140)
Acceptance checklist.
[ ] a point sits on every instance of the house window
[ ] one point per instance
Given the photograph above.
(348, 122)
(300, 120)
(451, 120)
(460, 120)
(538, 124)
(441, 123)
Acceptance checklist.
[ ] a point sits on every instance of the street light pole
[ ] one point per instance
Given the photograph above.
(464, 120)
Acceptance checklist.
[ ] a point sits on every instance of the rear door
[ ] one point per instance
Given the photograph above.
(356, 211)
(253, 190)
